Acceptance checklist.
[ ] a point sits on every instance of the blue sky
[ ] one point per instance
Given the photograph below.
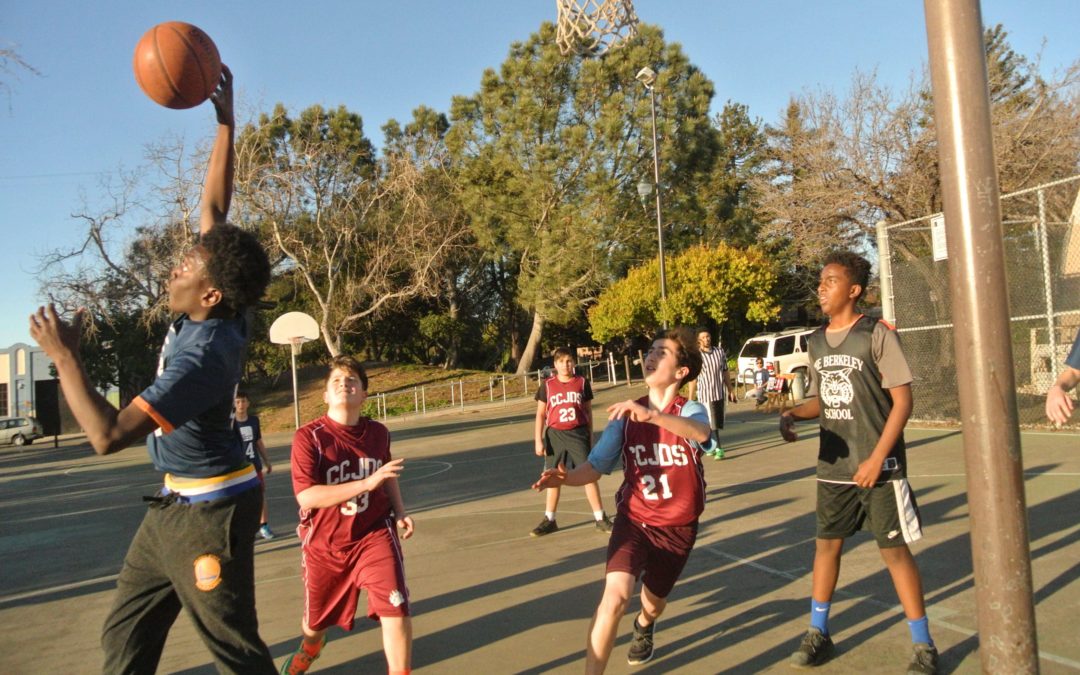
(85, 116)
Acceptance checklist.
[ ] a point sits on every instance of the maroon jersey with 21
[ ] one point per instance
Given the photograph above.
(664, 480)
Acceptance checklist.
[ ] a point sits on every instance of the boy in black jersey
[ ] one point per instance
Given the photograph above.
(861, 390)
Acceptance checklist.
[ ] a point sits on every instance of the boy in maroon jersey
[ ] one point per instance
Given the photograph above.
(564, 435)
(660, 438)
(346, 484)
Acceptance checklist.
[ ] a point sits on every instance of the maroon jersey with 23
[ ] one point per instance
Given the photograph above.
(565, 402)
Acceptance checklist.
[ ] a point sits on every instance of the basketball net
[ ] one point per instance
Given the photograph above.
(594, 26)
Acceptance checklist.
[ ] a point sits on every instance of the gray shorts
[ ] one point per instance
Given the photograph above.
(887, 510)
(567, 447)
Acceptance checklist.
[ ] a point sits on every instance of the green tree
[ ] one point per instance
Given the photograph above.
(361, 235)
(718, 282)
(551, 149)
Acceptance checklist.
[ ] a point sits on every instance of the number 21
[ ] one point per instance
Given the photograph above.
(649, 489)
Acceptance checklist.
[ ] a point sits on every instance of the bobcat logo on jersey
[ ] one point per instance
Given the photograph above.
(836, 389)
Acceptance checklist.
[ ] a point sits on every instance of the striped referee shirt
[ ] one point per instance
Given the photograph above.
(710, 383)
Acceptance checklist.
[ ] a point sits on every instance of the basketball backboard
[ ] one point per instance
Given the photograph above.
(294, 328)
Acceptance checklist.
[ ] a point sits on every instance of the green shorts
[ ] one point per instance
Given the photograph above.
(887, 510)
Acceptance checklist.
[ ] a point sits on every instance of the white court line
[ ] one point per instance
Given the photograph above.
(933, 430)
(57, 589)
(963, 630)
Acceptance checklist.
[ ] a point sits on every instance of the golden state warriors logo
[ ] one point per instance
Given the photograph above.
(207, 572)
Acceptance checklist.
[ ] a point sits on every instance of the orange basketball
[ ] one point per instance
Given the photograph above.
(177, 65)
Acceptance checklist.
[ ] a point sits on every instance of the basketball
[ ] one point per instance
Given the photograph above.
(177, 65)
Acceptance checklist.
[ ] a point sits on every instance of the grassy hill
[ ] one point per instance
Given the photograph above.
(405, 387)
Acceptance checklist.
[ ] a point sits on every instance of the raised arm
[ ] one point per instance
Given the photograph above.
(218, 186)
(108, 429)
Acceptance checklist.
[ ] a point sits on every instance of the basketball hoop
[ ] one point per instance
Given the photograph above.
(294, 329)
(594, 26)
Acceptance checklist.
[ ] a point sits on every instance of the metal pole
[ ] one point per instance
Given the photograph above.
(293, 348)
(461, 393)
(888, 309)
(659, 221)
(984, 363)
(1048, 291)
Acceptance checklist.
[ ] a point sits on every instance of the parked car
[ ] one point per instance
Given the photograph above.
(787, 347)
(20, 430)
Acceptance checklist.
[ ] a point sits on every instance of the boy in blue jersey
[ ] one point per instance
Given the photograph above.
(195, 547)
(249, 429)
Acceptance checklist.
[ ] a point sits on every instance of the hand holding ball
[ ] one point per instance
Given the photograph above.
(177, 65)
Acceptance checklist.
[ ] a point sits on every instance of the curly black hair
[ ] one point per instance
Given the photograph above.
(858, 268)
(237, 266)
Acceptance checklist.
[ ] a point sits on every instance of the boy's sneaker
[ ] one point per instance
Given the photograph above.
(815, 649)
(265, 532)
(545, 527)
(300, 660)
(641, 647)
(718, 453)
(604, 524)
(924, 659)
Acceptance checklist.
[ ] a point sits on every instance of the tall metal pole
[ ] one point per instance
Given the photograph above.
(888, 306)
(294, 348)
(659, 221)
(984, 363)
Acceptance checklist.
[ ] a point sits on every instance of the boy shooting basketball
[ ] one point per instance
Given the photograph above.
(346, 484)
(861, 389)
(660, 438)
(195, 547)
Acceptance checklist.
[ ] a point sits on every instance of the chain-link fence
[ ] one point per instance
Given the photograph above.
(1042, 253)
(425, 399)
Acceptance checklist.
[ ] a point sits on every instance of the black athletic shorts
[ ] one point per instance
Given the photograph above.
(887, 510)
(568, 447)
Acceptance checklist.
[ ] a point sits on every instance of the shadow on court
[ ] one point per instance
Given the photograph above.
(489, 598)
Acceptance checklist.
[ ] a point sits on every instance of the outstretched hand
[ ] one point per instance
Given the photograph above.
(391, 469)
(60, 339)
(223, 98)
(632, 409)
(551, 478)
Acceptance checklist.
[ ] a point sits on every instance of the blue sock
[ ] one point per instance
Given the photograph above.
(819, 615)
(920, 630)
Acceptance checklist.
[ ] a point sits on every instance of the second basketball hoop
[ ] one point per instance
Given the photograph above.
(594, 26)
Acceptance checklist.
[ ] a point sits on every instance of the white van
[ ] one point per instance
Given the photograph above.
(787, 347)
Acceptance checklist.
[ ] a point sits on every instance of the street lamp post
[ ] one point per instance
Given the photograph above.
(647, 77)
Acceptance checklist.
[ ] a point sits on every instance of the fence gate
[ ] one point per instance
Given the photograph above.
(1041, 227)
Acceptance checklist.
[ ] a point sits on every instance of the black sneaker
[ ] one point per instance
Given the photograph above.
(604, 524)
(923, 659)
(815, 649)
(545, 527)
(641, 647)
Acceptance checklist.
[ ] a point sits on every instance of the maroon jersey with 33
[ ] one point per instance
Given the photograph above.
(325, 452)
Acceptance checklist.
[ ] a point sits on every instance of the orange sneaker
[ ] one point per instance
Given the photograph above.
(300, 660)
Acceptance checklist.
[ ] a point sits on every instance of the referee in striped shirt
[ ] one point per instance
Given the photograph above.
(710, 387)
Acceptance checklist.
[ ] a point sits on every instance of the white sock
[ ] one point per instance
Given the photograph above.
(598, 515)
(550, 515)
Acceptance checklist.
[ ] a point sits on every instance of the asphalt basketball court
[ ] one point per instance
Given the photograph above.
(488, 598)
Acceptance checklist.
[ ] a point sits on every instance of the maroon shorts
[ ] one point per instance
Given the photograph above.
(656, 555)
(333, 579)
